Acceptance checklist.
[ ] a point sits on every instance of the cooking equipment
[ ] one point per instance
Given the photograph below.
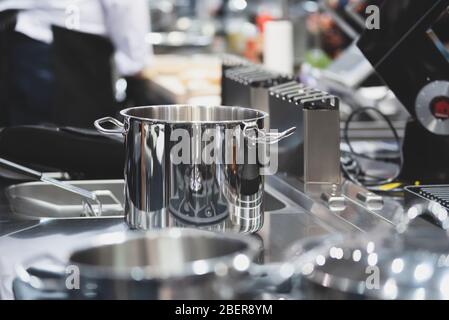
(408, 262)
(430, 201)
(91, 202)
(352, 272)
(298, 217)
(202, 187)
(313, 154)
(248, 85)
(229, 62)
(39, 200)
(409, 53)
(164, 264)
(291, 104)
(79, 152)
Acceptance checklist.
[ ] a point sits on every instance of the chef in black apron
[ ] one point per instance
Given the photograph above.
(63, 55)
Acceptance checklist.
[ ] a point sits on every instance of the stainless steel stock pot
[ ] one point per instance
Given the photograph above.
(201, 164)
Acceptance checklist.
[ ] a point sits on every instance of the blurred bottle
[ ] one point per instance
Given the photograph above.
(278, 46)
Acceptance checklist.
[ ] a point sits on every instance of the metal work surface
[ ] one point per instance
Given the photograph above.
(293, 214)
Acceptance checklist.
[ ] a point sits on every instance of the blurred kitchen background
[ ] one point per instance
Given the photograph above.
(185, 42)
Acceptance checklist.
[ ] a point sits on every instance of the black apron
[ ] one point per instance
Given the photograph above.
(83, 78)
(8, 20)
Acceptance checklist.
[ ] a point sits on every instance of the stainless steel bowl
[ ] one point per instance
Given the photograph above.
(378, 265)
(167, 264)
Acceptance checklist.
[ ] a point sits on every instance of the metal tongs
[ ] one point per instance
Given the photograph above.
(91, 204)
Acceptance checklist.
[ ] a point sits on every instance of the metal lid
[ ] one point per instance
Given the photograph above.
(190, 114)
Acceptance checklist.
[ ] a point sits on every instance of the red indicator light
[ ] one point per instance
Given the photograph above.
(440, 108)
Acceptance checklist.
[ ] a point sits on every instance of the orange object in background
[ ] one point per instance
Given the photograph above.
(253, 49)
(261, 19)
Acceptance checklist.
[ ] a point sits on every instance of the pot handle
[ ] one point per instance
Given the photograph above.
(264, 137)
(121, 127)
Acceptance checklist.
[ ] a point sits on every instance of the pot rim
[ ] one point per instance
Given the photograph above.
(153, 273)
(261, 114)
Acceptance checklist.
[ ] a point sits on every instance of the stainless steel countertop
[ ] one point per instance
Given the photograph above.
(305, 215)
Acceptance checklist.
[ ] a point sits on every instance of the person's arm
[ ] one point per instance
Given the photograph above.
(128, 23)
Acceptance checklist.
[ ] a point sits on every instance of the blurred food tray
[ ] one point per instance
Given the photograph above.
(179, 79)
